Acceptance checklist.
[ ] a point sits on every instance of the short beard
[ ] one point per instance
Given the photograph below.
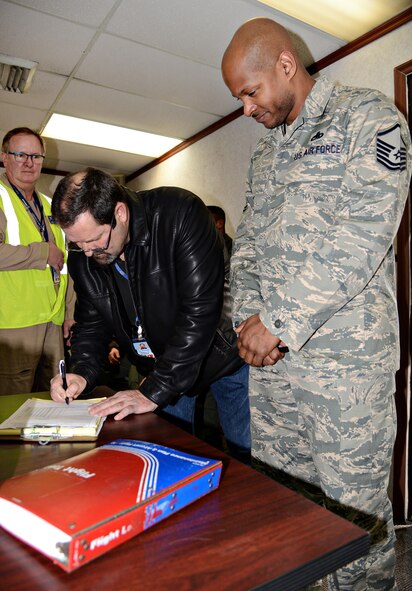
(285, 108)
(105, 259)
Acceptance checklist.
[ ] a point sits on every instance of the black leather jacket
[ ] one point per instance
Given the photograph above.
(175, 266)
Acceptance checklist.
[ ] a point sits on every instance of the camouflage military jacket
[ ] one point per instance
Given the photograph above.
(313, 253)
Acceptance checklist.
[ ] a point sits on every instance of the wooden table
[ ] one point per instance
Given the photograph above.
(252, 533)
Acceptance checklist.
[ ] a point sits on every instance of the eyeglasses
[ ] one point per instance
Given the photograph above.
(22, 157)
(98, 250)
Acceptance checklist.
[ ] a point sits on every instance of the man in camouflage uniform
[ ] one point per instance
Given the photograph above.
(313, 269)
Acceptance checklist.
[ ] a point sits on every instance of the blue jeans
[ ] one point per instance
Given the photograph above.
(231, 394)
(182, 412)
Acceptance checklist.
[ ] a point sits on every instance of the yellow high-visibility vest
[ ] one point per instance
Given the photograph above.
(28, 296)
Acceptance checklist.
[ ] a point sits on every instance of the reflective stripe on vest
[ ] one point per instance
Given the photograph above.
(13, 233)
(13, 228)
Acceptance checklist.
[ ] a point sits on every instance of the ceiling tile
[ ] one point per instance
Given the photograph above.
(85, 100)
(16, 116)
(91, 12)
(194, 29)
(55, 43)
(155, 74)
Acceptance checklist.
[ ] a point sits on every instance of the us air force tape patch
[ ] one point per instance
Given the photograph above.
(390, 149)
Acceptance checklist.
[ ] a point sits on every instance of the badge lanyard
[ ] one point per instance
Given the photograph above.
(40, 222)
(140, 345)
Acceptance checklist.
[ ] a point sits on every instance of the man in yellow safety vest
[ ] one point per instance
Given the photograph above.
(34, 300)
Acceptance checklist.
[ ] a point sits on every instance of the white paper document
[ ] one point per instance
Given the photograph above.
(48, 413)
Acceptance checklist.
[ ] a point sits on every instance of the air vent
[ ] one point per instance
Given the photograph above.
(16, 74)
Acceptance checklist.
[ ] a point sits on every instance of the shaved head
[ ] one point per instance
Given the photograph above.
(262, 69)
(259, 42)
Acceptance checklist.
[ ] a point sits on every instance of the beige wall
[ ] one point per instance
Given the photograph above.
(215, 167)
(372, 66)
(47, 184)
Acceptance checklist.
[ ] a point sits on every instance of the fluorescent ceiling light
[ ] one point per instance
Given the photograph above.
(345, 19)
(102, 135)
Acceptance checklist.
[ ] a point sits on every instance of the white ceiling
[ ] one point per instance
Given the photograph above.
(151, 65)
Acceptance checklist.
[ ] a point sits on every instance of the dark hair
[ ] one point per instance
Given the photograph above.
(89, 190)
(20, 131)
(217, 211)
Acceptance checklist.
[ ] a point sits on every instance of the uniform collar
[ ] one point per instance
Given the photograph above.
(317, 99)
(314, 107)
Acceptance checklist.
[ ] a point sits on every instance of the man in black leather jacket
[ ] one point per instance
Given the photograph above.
(148, 269)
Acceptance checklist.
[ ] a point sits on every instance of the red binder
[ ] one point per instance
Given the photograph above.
(80, 508)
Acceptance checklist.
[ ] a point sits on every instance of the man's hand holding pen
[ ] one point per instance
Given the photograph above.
(68, 386)
(257, 346)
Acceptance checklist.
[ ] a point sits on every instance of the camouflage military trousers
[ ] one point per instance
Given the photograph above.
(333, 434)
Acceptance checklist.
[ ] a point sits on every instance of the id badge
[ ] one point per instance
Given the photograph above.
(142, 348)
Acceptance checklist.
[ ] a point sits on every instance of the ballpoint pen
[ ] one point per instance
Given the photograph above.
(62, 371)
(283, 349)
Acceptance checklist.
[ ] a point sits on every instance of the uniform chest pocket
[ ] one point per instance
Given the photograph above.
(307, 216)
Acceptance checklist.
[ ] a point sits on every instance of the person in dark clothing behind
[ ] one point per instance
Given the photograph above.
(219, 216)
(231, 390)
(148, 269)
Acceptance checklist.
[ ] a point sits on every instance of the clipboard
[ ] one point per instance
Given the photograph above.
(44, 421)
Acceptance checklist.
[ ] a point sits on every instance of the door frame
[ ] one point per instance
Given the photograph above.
(401, 486)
